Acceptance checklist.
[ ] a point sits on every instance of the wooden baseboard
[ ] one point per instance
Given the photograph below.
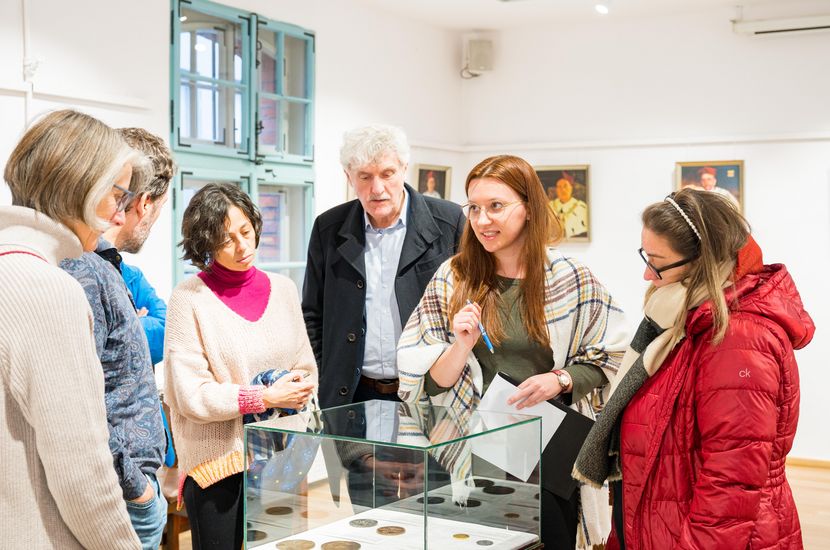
(808, 462)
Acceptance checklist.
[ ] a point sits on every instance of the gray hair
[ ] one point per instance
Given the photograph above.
(367, 144)
(65, 165)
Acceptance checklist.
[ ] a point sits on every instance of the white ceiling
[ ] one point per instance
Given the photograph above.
(496, 14)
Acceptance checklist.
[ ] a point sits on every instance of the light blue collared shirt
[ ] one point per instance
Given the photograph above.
(381, 256)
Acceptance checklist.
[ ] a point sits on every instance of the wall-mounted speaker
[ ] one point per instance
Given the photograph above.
(479, 55)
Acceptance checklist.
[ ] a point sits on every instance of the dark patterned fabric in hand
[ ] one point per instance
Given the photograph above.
(261, 443)
(279, 461)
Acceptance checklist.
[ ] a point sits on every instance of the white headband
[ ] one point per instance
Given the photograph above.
(685, 217)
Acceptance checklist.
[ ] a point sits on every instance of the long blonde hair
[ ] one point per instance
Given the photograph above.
(723, 232)
(474, 269)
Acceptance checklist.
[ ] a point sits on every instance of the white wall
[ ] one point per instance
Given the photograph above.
(371, 67)
(628, 97)
(633, 97)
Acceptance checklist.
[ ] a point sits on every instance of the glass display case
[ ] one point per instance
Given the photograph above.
(383, 473)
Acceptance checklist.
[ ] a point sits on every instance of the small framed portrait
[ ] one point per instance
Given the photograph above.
(725, 177)
(434, 181)
(567, 188)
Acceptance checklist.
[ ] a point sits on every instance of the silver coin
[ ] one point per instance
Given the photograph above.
(363, 522)
(484, 542)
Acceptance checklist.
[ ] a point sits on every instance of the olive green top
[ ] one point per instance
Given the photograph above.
(518, 355)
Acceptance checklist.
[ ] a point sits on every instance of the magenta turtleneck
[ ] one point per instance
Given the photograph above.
(245, 292)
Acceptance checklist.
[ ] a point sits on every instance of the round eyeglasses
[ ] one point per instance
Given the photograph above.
(494, 210)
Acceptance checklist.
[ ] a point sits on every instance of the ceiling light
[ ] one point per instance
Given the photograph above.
(602, 9)
(183, 18)
(200, 47)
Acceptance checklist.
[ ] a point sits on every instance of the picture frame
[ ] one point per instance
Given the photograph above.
(570, 199)
(433, 180)
(725, 177)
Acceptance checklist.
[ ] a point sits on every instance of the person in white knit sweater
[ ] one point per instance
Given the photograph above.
(225, 326)
(68, 177)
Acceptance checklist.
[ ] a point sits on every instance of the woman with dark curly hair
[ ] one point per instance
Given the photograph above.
(226, 327)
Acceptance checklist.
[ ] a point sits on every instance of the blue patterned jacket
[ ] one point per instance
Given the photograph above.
(137, 439)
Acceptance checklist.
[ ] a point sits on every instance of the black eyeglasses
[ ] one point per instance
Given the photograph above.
(658, 270)
(124, 200)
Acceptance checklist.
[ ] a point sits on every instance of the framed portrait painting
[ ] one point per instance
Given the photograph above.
(433, 181)
(567, 188)
(725, 177)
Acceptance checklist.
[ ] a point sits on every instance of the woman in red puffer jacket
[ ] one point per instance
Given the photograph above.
(708, 393)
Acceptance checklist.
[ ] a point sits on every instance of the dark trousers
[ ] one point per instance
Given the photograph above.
(559, 519)
(215, 513)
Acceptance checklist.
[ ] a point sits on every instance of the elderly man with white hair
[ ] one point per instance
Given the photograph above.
(369, 261)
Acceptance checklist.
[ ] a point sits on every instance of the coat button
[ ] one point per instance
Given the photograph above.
(343, 390)
(360, 283)
(351, 337)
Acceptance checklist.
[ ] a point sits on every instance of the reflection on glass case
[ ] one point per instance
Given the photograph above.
(372, 474)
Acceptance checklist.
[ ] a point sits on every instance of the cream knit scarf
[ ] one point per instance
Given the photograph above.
(599, 458)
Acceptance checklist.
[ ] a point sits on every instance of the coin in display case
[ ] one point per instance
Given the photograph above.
(391, 530)
(431, 500)
(340, 545)
(483, 482)
(254, 534)
(484, 542)
(296, 544)
(461, 536)
(278, 510)
(363, 522)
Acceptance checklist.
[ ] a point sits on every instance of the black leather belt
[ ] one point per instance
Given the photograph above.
(383, 387)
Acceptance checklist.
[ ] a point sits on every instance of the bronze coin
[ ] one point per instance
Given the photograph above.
(391, 530)
(431, 500)
(340, 545)
(511, 515)
(278, 510)
(461, 536)
(363, 522)
(313, 514)
(471, 503)
(254, 534)
(498, 490)
(296, 544)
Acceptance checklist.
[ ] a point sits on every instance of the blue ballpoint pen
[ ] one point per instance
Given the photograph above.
(484, 336)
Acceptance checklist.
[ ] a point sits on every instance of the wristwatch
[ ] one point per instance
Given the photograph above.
(564, 380)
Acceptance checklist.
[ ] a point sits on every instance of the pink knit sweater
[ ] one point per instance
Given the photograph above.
(211, 355)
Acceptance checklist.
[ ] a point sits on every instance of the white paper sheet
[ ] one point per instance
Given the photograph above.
(513, 458)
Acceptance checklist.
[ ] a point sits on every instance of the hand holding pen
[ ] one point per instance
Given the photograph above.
(467, 327)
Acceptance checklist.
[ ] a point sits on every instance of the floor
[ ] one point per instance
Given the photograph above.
(811, 489)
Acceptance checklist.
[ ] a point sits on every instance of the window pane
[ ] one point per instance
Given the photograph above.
(294, 128)
(267, 56)
(283, 236)
(211, 46)
(295, 67)
(269, 137)
(184, 51)
(210, 113)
